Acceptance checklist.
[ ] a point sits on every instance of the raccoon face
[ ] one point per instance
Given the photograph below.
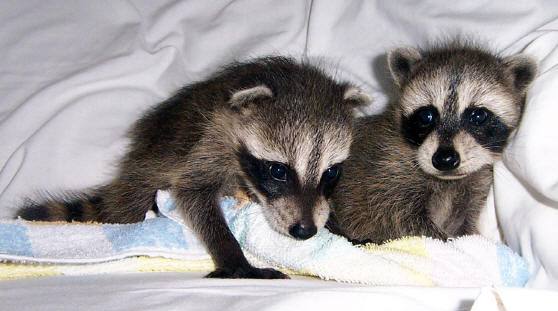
(458, 106)
(291, 157)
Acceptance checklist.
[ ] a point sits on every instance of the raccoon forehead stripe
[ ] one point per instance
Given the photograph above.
(452, 98)
(318, 151)
(307, 152)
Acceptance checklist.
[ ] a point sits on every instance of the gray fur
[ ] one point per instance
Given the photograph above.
(270, 109)
(390, 187)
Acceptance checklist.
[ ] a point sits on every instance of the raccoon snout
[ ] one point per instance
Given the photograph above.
(303, 231)
(445, 159)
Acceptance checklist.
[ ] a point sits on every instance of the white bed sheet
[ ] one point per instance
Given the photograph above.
(75, 74)
(188, 291)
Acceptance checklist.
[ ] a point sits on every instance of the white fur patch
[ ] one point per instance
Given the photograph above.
(243, 96)
(304, 148)
(425, 152)
(335, 150)
(472, 92)
(261, 150)
(425, 92)
(321, 213)
(473, 156)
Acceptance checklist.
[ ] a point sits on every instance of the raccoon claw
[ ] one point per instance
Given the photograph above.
(441, 236)
(246, 273)
(438, 234)
(361, 242)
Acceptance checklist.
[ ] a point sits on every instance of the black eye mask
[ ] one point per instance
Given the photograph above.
(486, 128)
(417, 126)
(272, 179)
(329, 179)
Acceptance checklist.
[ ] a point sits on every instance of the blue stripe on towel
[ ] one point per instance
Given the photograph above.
(514, 270)
(155, 233)
(14, 240)
(228, 205)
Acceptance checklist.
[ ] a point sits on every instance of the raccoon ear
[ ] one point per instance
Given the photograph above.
(242, 98)
(522, 70)
(356, 97)
(400, 62)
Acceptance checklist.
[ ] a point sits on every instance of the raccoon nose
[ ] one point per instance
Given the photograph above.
(445, 159)
(303, 232)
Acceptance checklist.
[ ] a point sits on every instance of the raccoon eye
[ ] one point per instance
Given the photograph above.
(478, 116)
(425, 117)
(278, 171)
(331, 173)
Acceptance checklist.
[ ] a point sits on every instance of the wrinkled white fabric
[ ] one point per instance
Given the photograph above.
(75, 74)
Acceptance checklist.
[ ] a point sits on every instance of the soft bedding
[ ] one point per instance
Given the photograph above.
(75, 74)
(164, 242)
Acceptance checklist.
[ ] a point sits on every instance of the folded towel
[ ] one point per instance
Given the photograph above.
(164, 243)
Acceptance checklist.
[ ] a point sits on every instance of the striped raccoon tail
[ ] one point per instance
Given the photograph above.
(75, 207)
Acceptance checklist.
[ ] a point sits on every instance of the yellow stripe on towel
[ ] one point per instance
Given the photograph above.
(404, 249)
(132, 264)
(159, 264)
(10, 271)
(410, 245)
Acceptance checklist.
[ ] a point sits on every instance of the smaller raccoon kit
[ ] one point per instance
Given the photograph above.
(275, 128)
(424, 167)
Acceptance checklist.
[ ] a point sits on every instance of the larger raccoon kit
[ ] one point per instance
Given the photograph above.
(278, 129)
(424, 167)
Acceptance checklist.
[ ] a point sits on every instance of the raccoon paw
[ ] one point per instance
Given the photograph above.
(361, 242)
(248, 272)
